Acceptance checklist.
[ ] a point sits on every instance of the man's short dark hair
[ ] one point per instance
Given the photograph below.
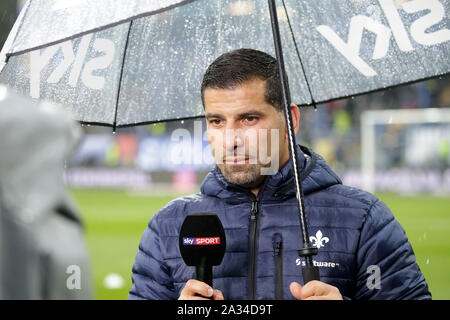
(236, 67)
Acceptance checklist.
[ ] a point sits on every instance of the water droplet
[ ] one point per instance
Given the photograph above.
(428, 260)
(182, 121)
(424, 235)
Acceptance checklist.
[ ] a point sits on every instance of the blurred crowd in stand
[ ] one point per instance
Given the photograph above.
(333, 130)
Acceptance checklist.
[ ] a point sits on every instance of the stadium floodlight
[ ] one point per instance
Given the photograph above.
(371, 118)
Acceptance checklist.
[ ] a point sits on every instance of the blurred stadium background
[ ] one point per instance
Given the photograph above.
(119, 180)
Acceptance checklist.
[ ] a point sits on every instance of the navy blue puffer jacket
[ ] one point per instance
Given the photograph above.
(362, 249)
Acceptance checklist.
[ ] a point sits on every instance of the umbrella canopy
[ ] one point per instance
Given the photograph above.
(60, 20)
(131, 64)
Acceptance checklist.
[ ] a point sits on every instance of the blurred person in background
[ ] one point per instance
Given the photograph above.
(42, 249)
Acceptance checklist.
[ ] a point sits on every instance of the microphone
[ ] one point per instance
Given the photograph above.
(202, 244)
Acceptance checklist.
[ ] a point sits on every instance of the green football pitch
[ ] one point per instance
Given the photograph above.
(114, 221)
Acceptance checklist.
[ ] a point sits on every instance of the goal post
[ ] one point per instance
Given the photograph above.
(371, 118)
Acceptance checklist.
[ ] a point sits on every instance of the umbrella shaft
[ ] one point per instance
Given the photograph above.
(291, 132)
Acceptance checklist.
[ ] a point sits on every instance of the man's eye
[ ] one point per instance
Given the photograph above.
(215, 122)
(250, 120)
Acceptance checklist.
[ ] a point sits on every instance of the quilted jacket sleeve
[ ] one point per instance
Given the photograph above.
(387, 267)
(150, 276)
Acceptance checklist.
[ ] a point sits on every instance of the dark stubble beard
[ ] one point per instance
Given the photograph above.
(245, 175)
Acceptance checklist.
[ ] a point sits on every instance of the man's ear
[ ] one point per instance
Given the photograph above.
(295, 112)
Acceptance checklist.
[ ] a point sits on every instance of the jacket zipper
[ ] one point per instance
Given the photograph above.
(278, 248)
(254, 220)
(253, 250)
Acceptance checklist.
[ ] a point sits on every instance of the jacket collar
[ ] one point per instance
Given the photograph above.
(314, 174)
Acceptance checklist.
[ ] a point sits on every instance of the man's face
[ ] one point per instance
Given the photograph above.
(246, 134)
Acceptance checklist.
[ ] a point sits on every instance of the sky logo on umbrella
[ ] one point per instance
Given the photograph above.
(419, 31)
(79, 66)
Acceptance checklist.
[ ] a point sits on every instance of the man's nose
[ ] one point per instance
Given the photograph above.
(233, 138)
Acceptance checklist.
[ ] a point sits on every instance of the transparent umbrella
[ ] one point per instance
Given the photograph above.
(122, 63)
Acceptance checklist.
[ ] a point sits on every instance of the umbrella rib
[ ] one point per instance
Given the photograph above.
(370, 91)
(120, 77)
(134, 124)
(21, 16)
(298, 55)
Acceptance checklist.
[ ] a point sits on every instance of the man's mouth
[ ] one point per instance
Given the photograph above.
(236, 160)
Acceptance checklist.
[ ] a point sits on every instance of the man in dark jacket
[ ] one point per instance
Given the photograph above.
(363, 252)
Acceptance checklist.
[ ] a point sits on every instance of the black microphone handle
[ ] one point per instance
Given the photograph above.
(204, 273)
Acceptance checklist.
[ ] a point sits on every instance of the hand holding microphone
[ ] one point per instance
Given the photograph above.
(202, 244)
(197, 290)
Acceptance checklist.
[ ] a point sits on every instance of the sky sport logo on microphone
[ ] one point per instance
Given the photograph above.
(205, 241)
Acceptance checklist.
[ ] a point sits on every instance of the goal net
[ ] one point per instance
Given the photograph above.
(406, 150)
